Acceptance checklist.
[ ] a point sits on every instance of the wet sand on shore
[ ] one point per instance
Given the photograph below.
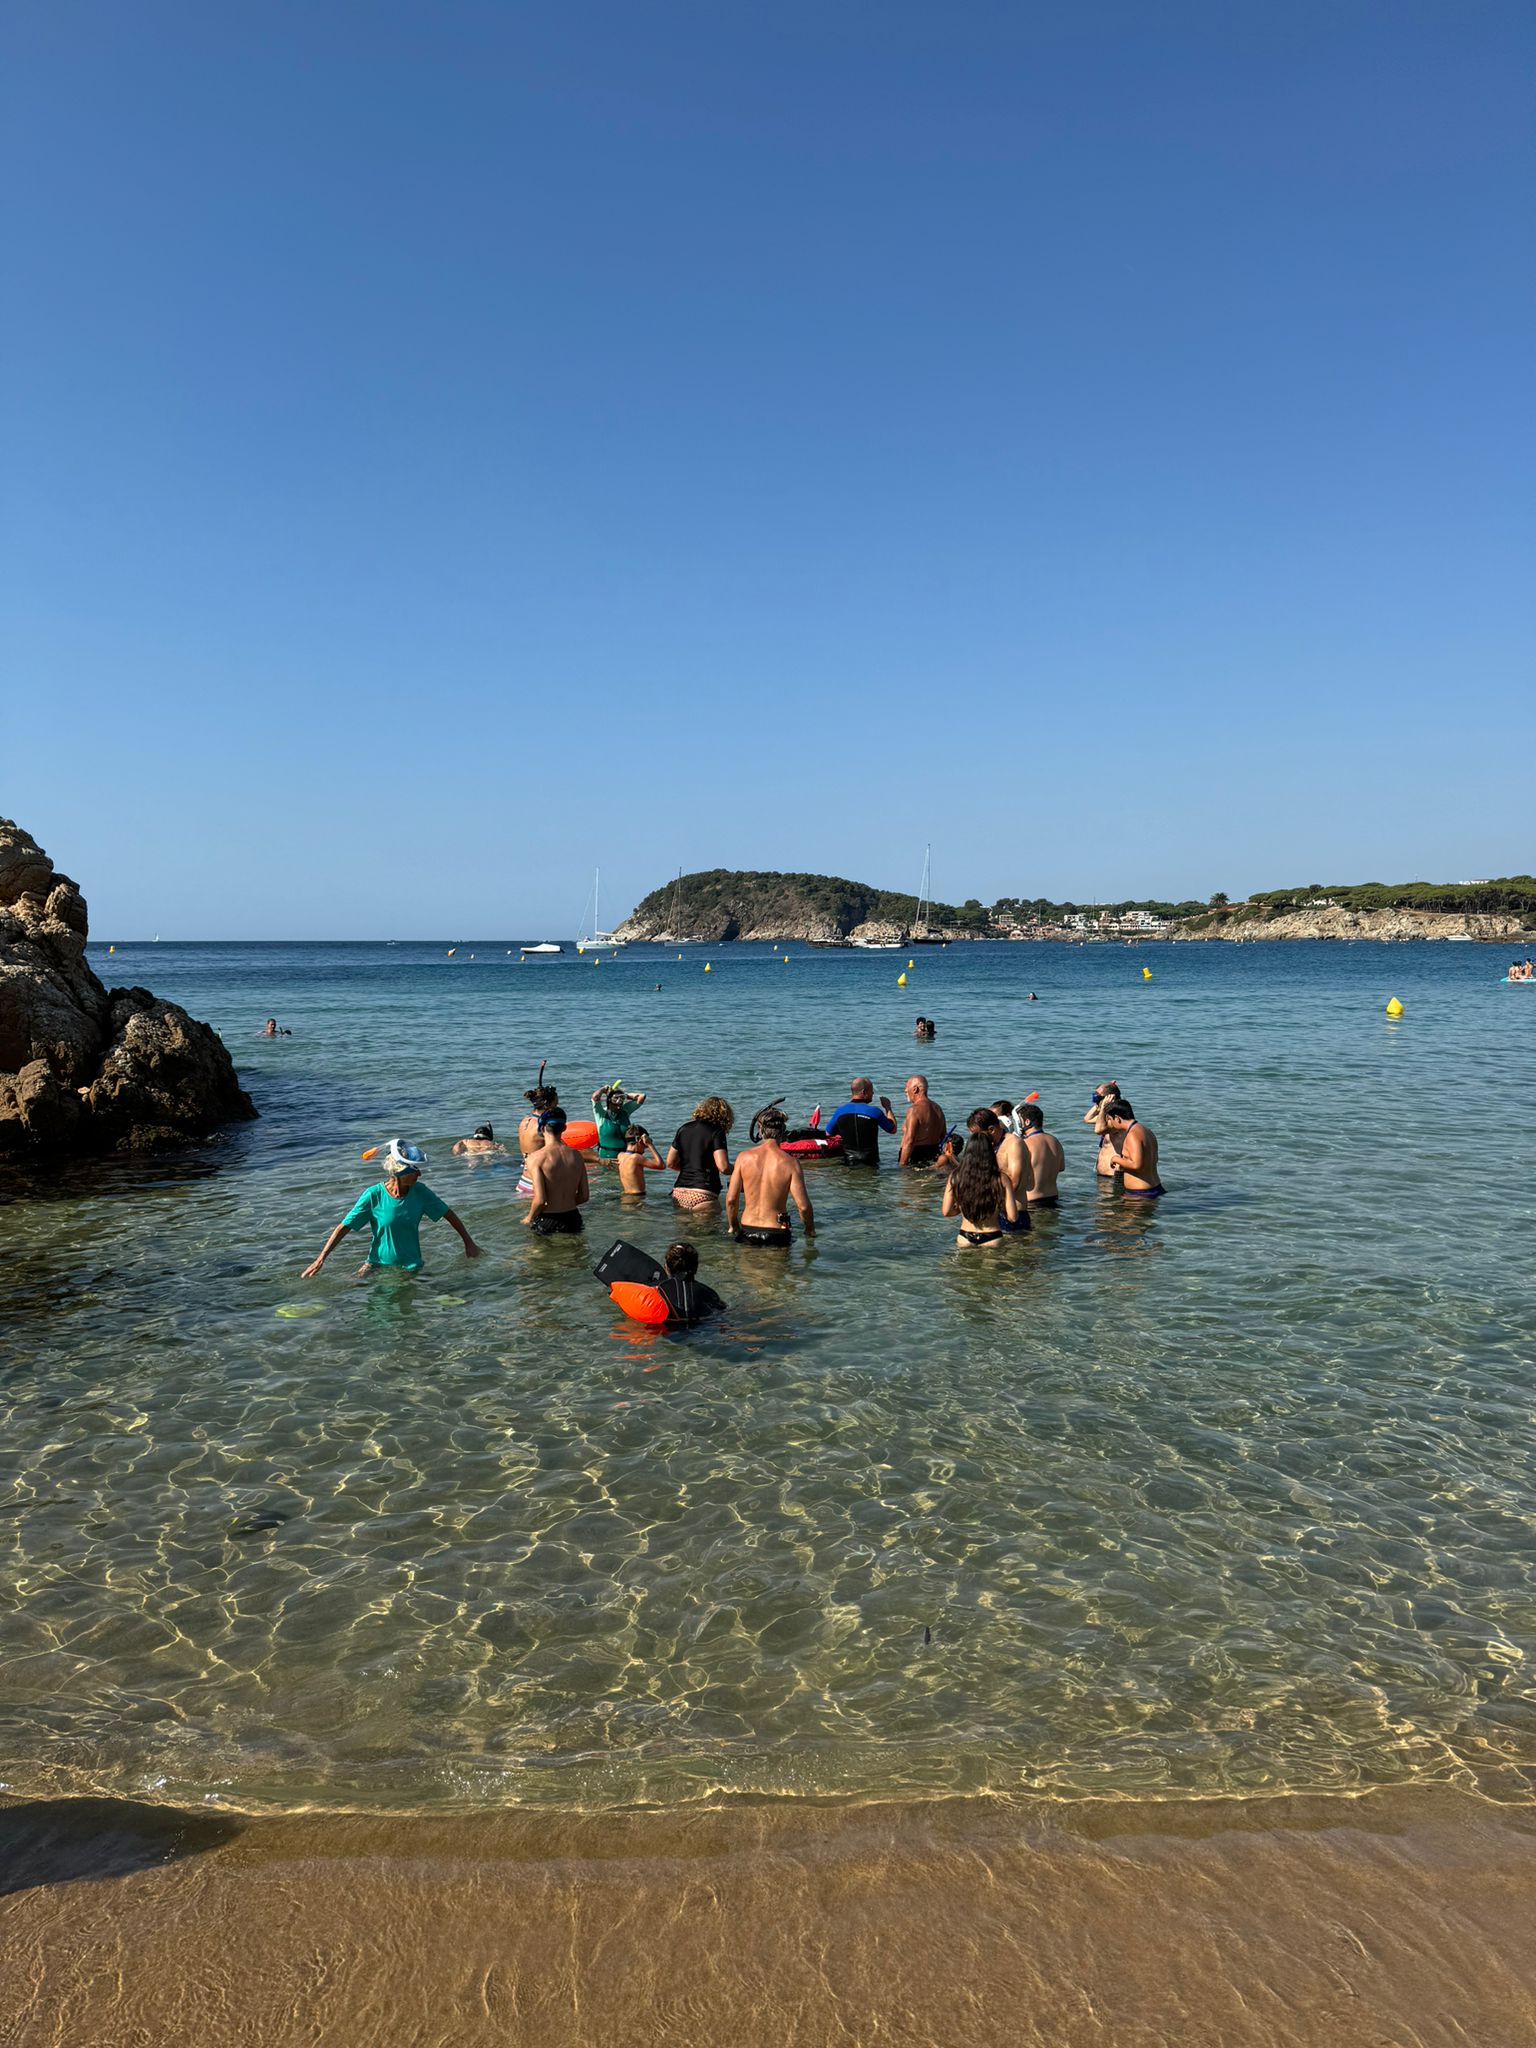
(1393, 1918)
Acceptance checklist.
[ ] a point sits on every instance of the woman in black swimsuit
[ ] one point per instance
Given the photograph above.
(978, 1194)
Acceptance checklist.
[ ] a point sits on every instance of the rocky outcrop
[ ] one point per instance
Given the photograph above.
(1336, 922)
(84, 1068)
(721, 904)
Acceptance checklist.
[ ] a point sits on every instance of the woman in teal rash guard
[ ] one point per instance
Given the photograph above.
(613, 1107)
(393, 1209)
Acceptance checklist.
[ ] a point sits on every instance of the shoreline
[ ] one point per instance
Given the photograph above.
(1295, 1919)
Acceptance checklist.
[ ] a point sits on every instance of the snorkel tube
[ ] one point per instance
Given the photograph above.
(753, 1131)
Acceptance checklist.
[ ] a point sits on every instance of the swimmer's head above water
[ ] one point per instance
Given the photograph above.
(682, 1259)
(485, 1131)
(771, 1123)
(552, 1121)
(541, 1098)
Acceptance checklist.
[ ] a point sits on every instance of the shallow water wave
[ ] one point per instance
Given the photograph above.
(1277, 1923)
(1230, 1493)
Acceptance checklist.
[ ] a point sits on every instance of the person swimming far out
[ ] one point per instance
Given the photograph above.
(925, 1028)
(272, 1029)
(1134, 1150)
(394, 1209)
(558, 1175)
(697, 1154)
(764, 1181)
(978, 1194)
(859, 1122)
(482, 1143)
(613, 1108)
(638, 1158)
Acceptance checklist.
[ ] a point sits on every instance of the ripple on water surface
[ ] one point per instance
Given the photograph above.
(1235, 1496)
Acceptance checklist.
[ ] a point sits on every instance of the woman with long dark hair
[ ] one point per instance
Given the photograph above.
(978, 1194)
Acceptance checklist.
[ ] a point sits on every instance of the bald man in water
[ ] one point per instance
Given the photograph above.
(922, 1133)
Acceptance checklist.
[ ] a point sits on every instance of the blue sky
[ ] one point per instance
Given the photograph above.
(449, 446)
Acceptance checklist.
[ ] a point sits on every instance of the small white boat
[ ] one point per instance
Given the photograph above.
(544, 946)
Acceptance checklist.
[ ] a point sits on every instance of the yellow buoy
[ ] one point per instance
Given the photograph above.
(451, 951)
(111, 949)
(706, 967)
(911, 963)
(901, 981)
(1146, 974)
(1394, 1008)
(786, 959)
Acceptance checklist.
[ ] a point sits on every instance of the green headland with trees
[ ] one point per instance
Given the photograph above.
(718, 904)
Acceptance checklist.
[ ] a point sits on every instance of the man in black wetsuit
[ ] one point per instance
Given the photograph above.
(859, 1123)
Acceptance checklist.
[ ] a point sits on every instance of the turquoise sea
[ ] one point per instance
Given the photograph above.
(1234, 1493)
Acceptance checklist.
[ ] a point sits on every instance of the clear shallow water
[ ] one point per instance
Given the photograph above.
(1237, 1495)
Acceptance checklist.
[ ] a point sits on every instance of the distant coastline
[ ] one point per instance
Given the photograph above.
(719, 905)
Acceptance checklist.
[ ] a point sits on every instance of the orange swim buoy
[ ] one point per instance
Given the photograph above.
(581, 1137)
(641, 1304)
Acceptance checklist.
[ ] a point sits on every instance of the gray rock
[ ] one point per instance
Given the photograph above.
(83, 1069)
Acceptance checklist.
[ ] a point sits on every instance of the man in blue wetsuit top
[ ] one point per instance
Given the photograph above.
(859, 1123)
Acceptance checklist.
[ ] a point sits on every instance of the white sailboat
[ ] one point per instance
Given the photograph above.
(592, 938)
(674, 936)
(921, 935)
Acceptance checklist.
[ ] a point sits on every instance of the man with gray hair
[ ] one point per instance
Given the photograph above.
(922, 1132)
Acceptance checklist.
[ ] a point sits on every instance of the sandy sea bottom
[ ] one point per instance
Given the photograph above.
(1399, 1917)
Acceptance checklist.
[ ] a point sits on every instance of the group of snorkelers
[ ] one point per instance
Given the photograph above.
(1003, 1167)
(1522, 970)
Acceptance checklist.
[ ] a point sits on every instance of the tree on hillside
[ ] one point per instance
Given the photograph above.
(1220, 900)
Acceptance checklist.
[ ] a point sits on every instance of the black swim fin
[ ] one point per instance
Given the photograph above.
(624, 1261)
